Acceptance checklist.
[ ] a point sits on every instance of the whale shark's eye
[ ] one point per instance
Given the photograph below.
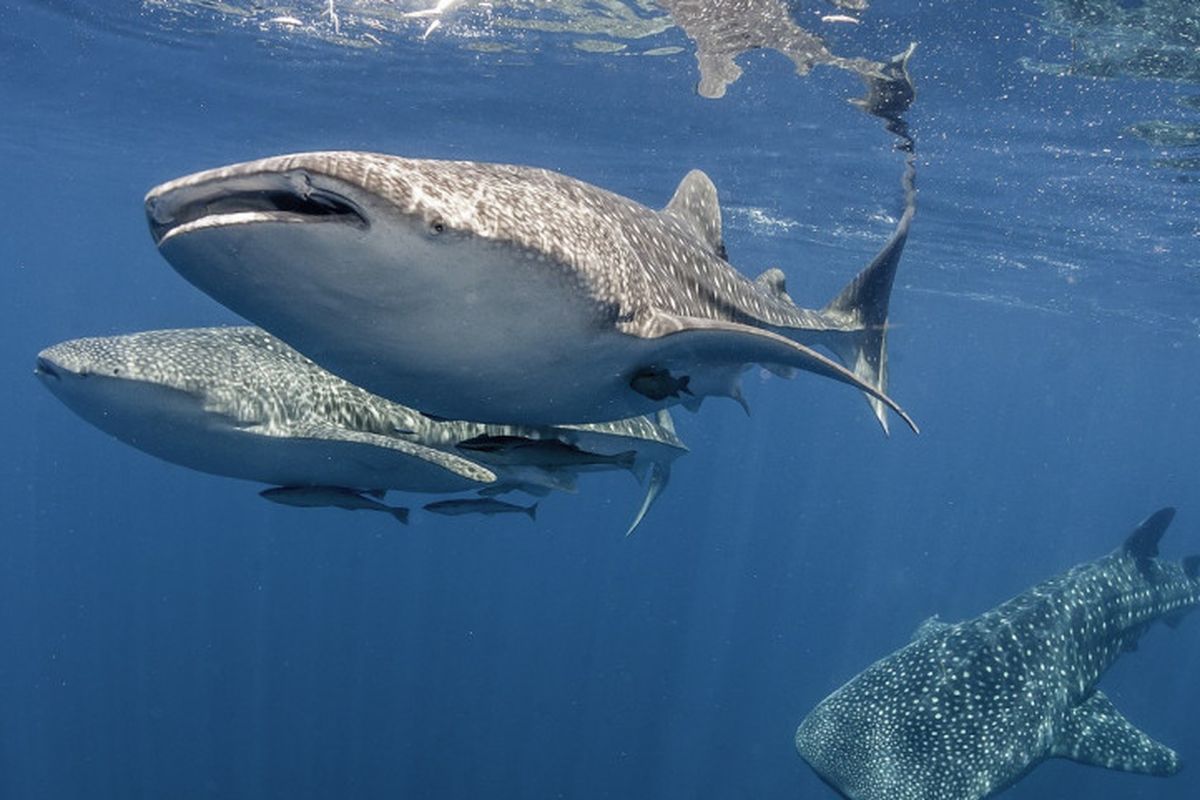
(437, 226)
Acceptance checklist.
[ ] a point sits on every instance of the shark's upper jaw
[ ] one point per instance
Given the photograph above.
(219, 199)
(46, 369)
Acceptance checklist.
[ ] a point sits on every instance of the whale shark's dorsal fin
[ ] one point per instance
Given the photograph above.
(695, 206)
(1095, 732)
(1143, 542)
(930, 626)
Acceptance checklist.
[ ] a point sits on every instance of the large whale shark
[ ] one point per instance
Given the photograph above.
(239, 402)
(965, 710)
(505, 293)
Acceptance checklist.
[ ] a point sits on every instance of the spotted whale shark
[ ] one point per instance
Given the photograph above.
(965, 710)
(423, 281)
(240, 403)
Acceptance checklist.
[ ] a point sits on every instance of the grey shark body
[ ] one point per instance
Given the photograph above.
(427, 282)
(965, 710)
(240, 403)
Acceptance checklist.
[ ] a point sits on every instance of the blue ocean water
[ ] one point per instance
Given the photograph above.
(169, 634)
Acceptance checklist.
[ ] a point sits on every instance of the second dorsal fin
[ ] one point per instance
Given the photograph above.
(695, 206)
(774, 282)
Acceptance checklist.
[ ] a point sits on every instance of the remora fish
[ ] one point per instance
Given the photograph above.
(486, 506)
(330, 497)
(550, 453)
(240, 403)
(505, 293)
(966, 710)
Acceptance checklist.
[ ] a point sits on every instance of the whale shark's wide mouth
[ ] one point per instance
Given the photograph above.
(47, 369)
(185, 206)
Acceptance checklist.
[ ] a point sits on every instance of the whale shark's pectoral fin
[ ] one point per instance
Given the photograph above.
(1095, 733)
(716, 340)
(660, 475)
(385, 446)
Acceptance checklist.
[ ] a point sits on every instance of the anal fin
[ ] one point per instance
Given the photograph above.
(1096, 733)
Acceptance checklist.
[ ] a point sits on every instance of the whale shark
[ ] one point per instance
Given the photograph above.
(240, 403)
(508, 294)
(967, 709)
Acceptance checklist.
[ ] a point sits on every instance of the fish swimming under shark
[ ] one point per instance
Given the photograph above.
(965, 710)
(485, 506)
(240, 403)
(507, 294)
(331, 497)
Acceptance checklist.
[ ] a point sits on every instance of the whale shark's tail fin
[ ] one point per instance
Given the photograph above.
(864, 303)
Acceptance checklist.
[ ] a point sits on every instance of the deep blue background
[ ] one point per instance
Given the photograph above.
(168, 634)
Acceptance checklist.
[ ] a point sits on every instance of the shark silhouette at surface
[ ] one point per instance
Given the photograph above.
(966, 710)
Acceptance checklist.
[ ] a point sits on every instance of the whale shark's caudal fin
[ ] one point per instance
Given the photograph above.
(864, 303)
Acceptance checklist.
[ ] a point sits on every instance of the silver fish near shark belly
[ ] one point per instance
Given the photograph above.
(426, 281)
(966, 710)
(331, 497)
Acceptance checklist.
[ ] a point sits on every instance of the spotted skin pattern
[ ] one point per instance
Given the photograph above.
(967, 709)
(559, 265)
(626, 257)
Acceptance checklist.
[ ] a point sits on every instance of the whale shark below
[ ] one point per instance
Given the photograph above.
(508, 294)
(240, 403)
(965, 710)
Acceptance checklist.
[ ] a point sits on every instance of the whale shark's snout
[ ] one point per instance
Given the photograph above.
(46, 369)
(248, 194)
(63, 361)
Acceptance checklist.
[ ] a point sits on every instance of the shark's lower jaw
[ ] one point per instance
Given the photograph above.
(176, 209)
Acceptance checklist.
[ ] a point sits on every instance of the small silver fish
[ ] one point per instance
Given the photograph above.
(331, 497)
(546, 453)
(484, 505)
